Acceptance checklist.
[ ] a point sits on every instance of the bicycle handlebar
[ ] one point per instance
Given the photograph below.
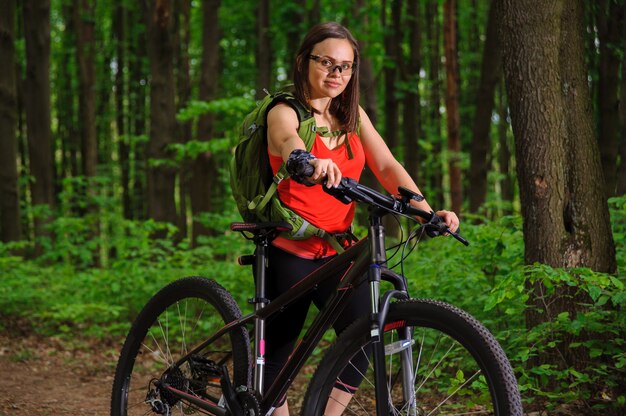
(350, 190)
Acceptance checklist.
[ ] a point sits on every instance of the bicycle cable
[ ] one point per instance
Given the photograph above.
(395, 246)
(409, 245)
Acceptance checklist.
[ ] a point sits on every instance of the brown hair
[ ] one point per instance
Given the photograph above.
(346, 105)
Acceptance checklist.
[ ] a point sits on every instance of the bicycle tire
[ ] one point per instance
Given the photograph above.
(178, 317)
(491, 389)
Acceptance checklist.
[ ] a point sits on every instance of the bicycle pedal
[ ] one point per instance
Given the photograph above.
(398, 346)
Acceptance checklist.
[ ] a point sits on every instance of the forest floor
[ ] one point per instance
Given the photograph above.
(46, 376)
(50, 376)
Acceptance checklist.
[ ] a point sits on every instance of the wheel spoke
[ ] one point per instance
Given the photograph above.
(453, 393)
(177, 318)
(446, 378)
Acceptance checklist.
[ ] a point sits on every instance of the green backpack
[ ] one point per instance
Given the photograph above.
(252, 182)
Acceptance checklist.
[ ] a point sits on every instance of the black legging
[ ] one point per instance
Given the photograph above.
(283, 272)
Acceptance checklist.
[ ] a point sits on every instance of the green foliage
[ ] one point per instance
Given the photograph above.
(587, 344)
(235, 108)
(489, 280)
(98, 269)
(183, 152)
(617, 207)
(95, 284)
(465, 276)
(63, 298)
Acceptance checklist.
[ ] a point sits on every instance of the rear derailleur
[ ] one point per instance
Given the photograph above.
(240, 401)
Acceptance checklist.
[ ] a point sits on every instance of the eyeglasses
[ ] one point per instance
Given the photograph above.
(329, 65)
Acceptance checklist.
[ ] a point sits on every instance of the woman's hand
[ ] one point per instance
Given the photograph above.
(325, 168)
(450, 218)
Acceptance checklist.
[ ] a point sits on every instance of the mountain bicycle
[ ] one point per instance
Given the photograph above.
(191, 350)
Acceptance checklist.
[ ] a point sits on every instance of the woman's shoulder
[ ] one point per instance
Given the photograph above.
(282, 112)
(365, 127)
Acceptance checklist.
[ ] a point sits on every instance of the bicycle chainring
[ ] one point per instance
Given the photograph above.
(248, 401)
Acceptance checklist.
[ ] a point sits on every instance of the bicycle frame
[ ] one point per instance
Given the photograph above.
(365, 258)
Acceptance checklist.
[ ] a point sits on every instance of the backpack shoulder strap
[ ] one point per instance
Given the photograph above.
(306, 129)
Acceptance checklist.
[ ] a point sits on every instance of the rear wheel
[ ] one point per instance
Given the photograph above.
(176, 319)
(455, 366)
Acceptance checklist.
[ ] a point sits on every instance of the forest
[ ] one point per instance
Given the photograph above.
(118, 121)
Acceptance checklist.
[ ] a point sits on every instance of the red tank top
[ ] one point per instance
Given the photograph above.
(316, 206)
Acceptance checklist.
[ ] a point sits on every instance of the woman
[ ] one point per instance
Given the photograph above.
(326, 79)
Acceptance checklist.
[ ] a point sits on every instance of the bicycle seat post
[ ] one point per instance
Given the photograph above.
(259, 301)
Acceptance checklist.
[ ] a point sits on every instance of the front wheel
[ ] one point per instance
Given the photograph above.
(176, 319)
(438, 360)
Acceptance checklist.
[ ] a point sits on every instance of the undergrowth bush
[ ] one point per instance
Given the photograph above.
(95, 286)
(489, 280)
(66, 294)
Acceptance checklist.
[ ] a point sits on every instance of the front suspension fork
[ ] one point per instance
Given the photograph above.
(379, 311)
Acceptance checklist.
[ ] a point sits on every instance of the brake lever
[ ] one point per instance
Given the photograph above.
(458, 236)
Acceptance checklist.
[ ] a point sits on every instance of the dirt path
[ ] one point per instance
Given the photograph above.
(46, 376)
(43, 376)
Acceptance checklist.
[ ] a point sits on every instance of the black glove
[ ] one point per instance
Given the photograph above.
(298, 166)
(435, 225)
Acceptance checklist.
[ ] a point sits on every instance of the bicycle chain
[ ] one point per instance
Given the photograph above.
(248, 401)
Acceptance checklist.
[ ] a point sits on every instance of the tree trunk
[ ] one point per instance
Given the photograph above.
(411, 75)
(621, 176)
(433, 34)
(609, 17)
(480, 151)
(471, 32)
(120, 18)
(507, 185)
(137, 79)
(183, 82)
(589, 239)
(37, 103)
(550, 155)
(315, 13)
(10, 220)
(263, 50)
(391, 72)
(392, 62)
(85, 58)
(105, 118)
(205, 170)
(531, 34)
(161, 178)
(367, 78)
(367, 85)
(67, 132)
(566, 222)
(294, 30)
(453, 118)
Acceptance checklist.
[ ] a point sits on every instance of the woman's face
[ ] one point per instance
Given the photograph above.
(337, 52)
